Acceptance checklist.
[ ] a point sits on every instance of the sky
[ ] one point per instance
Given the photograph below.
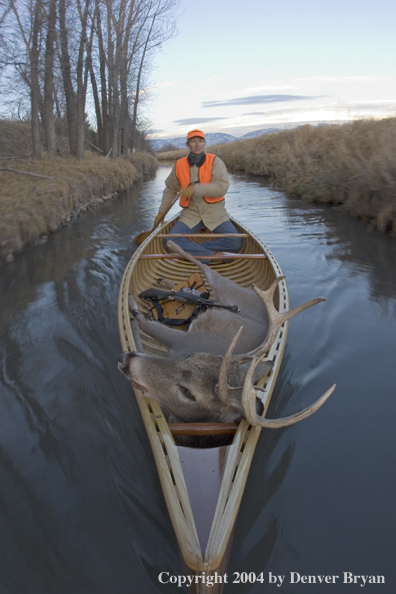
(241, 65)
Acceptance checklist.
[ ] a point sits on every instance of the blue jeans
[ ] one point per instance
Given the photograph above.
(223, 244)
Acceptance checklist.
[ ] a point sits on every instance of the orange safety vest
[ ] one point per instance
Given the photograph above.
(182, 171)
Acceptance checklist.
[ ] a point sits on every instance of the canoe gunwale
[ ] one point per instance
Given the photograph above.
(240, 452)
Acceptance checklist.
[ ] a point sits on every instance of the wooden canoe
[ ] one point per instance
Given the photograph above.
(202, 488)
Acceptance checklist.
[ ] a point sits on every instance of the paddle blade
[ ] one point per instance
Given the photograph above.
(142, 236)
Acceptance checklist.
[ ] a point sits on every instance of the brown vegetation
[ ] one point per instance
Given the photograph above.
(31, 207)
(351, 165)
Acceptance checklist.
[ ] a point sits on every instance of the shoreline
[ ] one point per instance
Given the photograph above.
(350, 166)
(33, 207)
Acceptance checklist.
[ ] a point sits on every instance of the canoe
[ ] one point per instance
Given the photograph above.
(202, 487)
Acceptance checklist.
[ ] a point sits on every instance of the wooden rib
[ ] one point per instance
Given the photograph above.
(230, 498)
(172, 482)
(245, 272)
(203, 428)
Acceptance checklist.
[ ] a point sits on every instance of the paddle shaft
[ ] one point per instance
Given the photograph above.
(142, 236)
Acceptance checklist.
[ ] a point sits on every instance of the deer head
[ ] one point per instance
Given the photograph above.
(189, 388)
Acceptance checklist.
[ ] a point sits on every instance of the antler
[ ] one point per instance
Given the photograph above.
(275, 319)
(222, 386)
(249, 404)
(248, 400)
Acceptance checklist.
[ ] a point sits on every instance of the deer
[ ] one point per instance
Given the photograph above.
(213, 366)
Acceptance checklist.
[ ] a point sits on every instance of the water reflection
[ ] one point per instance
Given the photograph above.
(81, 506)
(349, 240)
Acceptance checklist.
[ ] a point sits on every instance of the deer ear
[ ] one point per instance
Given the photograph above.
(262, 369)
(235, 403)
(234, 398)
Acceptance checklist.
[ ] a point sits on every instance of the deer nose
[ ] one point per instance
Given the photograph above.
(123, 360)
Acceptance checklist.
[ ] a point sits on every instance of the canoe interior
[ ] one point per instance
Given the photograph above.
(146, 272)
(203, 488)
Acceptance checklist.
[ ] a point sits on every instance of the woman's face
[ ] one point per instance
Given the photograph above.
(196, 145)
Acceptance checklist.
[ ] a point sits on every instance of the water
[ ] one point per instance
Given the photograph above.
(81, 510)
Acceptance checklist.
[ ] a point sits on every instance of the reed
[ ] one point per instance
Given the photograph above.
(351, 165)
(31, 207)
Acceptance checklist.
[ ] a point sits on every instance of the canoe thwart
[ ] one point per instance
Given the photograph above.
(228, 256)
(203, 428)
(207, 235)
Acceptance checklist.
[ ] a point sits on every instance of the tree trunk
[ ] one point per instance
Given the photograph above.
(103, 83)
(34, 84)
(49, 82)
(67, 81)
(124, 124)
(80, 104)
(98, 113)
(138, 83)
(113, 81)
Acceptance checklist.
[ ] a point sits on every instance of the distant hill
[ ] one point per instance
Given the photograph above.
(211, 138)
(259, 133)
(180, 141)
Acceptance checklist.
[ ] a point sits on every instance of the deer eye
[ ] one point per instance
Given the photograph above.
(186, 393)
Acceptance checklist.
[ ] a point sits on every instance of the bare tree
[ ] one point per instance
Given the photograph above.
(133, 29)
(103, 117)
(49, 81)
(63, 45)
(5, 8)
(65, 65)
(31, 34)
(159, 29)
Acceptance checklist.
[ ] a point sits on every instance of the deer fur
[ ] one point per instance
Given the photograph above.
(187, 383)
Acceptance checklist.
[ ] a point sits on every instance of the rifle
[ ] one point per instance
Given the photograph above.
(190, 296)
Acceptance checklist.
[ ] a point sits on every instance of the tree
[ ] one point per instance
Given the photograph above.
(159, 29)
(68, 52)
(31, 34)
(132, 30)
(49, 81)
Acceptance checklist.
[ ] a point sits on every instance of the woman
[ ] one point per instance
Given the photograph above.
(203, 181)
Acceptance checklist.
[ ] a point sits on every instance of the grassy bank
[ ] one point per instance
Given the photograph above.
(351, 165)
(33, 207)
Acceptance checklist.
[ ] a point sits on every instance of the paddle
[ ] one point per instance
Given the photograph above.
(142, 236)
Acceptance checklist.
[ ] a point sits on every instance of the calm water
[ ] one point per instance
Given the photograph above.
(81, 511)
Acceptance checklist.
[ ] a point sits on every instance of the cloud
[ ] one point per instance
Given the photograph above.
(369, 106)
(257, 99)
(191, 121)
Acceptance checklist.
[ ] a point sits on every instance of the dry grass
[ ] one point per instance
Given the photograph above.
(15, 139)
(352, 165)
(31, 207)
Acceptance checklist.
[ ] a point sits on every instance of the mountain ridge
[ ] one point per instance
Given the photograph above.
(211, 138)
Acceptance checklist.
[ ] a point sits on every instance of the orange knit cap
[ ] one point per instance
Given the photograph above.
(193, 133)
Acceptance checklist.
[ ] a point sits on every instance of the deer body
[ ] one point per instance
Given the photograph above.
(211, 368)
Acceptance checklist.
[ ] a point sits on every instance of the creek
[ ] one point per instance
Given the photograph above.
(81, 509)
